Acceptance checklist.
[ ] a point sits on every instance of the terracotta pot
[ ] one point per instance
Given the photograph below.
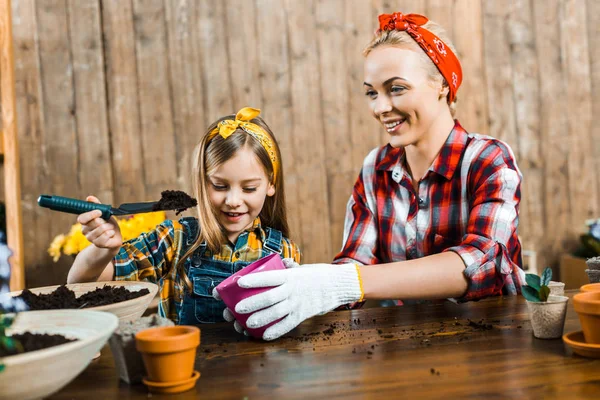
(548, 317)
(590, 287)
(587, 306)
(168, 352)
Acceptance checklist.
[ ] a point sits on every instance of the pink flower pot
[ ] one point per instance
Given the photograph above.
(232, 294)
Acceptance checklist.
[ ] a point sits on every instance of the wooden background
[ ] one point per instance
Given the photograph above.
(112, 96)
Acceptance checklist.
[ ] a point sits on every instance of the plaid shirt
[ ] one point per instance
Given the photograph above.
(152, 256)
(468, 203)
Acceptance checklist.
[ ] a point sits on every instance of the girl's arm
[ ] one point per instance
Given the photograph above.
(92, 264)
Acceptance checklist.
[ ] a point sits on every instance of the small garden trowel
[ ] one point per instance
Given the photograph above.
(75, 206)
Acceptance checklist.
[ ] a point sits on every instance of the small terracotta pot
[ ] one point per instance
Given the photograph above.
(168, 352)
(587, 305)
(590, 287)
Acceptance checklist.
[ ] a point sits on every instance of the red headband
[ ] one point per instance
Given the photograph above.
(441, 55)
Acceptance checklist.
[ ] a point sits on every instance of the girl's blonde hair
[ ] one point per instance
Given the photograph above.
(403, 39)
(209, 154)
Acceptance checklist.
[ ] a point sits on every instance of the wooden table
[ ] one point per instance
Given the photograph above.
(476, 350)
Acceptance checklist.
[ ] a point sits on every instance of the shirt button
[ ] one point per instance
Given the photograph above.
(422, 202)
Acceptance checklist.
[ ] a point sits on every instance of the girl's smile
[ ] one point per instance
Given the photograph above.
(233, 217)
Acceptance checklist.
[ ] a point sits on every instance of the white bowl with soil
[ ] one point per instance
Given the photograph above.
(40, 373)
(127, 310)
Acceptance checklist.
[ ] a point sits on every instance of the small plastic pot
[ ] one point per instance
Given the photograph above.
(232, 293)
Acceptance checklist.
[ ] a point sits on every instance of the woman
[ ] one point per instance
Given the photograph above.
(433, 214)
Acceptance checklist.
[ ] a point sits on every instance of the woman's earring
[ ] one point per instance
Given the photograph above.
(443, 92)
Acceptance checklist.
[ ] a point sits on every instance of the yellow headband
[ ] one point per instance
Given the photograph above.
(242, 120)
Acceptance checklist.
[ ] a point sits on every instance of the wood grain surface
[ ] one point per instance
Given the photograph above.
(476, 350)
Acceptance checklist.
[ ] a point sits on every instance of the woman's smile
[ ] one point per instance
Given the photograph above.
(393, 126)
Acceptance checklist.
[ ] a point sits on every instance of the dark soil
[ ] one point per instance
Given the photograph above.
(34, 341)
(481, 325)
(64, 297)
(174, 200)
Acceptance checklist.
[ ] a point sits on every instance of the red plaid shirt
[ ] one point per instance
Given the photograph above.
(468, 203)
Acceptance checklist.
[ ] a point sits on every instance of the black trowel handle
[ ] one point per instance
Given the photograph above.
(73, 206)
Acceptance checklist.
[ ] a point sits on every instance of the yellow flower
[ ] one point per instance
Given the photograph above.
(131, 227)
(55, 246)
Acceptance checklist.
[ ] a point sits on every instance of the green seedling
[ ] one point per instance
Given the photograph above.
(537, 289)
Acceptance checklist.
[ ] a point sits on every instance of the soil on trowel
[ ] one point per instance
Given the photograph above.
(64, 297)
(33, 341)
(175, 200)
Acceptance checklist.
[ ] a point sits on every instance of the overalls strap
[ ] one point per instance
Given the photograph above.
(273, 240)
(191, 228)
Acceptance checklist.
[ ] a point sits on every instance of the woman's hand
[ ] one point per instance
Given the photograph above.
(298, 294)
(102, 234)
(228, 315)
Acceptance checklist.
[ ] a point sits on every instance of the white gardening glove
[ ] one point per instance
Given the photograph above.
(299, 293)
(228, 315)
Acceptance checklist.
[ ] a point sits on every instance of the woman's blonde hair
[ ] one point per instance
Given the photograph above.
(209, 154)
(403, 39)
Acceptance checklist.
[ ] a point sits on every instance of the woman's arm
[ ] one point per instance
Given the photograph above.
(438, 276)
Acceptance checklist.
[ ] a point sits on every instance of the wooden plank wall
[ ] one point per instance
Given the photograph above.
(114, 94)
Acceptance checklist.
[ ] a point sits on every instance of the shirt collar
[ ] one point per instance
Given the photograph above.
(449, 156)
(444, 164)
(257, 228)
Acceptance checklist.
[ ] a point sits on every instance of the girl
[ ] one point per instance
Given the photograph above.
(238, 181)
(433, 214)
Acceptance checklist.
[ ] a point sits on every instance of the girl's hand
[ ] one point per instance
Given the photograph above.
(102, 234)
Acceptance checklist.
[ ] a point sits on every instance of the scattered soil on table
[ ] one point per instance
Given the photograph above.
(63, 298)
(175, 200)
(480, 326)
(329, 331)
(35, 341)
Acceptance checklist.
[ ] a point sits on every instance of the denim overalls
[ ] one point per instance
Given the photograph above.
(205, 273)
